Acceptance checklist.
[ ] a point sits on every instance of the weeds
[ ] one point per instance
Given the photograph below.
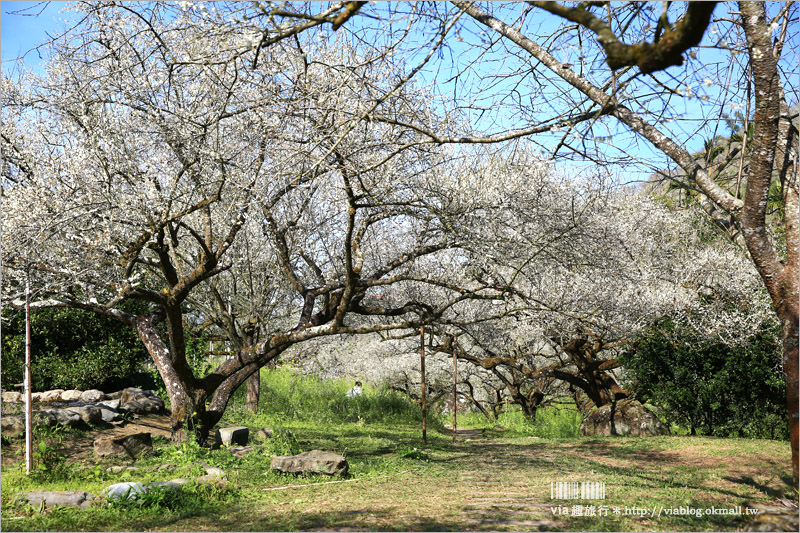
(394, 476)
(556, 421)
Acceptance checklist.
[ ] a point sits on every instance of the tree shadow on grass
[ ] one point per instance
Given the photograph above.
(766, 489)
(358, 519)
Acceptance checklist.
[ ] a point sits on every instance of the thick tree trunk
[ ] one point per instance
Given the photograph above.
(188, 413)
(253, 392)
(790, 364)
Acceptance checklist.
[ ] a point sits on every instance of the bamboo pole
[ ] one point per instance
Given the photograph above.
(27, 375)
(455, 405)
(422, 371)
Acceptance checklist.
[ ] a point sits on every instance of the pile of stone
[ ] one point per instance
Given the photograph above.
(75, 408)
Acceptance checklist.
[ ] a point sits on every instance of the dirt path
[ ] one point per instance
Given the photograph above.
(80, 448)
(498, 490)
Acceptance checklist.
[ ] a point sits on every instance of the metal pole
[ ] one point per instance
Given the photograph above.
(27, 374)
(422, 371)
(455, 375)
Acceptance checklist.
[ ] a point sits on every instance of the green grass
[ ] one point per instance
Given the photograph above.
(558, 421)
(498, 480)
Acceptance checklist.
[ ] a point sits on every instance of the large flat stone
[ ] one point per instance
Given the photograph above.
(51, 417)
(58, 498)
(88, 413)
(71, 395)
(12, 397)
(113, 404)
(124, 491)
(313, 462)
(145, 404)
(92, 395)
(233, 435)
(51, 396)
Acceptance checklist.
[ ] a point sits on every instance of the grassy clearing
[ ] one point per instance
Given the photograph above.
(496, 477)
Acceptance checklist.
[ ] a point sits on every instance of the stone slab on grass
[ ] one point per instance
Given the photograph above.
(265, 433)
(124, 491)
(57, 498)
(128, 445)
(132, 490)
(313, 462)
(240, 451)
(237, 435)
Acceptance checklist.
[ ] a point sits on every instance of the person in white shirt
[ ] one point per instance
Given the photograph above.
(355, 391)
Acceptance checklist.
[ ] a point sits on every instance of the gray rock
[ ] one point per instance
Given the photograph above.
(313, 462)
(240, 451)
(132, 407)
(45, 418)
(108, 414)
(213, 471)
(129, 445)
(12, 397)
(153, 404)
(168, 485)
(116, 469)
(51, 417)
(265, 433)
(71, 395)
(233, 435)
(51, 396)
(776, 515)
(179, 481)
(112, 404)
(58, 498)
(211, 479)
(142, 405)
(88, 413)
(114, 395)
(36, 397)
(132, 394)
(124, 491)
(92, 395)
(13, 426)
(623, 418)
(67, 417)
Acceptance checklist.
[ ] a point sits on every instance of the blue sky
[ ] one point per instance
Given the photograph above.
(26, 24)
(19, 33)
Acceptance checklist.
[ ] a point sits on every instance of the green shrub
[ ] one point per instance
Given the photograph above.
(70, 349)
(709, 387)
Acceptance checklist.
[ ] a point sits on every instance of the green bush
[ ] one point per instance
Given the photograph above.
(70, 349)
(711, 388)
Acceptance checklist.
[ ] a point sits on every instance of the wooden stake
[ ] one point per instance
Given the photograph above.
(422, 371)
(455, 376)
